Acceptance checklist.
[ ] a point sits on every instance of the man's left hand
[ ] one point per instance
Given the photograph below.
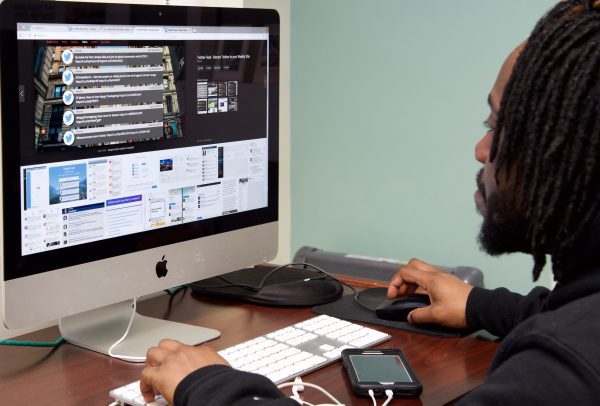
(169, 363)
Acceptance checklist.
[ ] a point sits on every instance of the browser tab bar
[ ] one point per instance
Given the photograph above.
(35, 31)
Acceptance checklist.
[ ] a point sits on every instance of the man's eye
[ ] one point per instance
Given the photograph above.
(489, 128)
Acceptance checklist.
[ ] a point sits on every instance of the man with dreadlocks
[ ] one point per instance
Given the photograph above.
(539, 193)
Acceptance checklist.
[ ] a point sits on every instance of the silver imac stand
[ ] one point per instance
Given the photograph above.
(99, 329)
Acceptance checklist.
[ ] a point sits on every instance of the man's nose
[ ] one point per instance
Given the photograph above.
(482, 149)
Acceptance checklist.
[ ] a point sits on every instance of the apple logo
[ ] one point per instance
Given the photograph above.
(161, 267)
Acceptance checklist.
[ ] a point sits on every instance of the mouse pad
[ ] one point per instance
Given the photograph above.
(346, 308)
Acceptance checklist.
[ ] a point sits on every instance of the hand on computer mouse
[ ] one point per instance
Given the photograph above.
(169, 363)
(447, 293)
(400, 307)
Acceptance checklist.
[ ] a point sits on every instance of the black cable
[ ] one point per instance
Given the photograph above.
(262, 282)
(356, 293)
(357, 300)
(260, 285)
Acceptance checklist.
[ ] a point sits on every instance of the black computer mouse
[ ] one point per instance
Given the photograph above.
(398, 308)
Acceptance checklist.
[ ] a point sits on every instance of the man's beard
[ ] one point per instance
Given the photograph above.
(503, 230)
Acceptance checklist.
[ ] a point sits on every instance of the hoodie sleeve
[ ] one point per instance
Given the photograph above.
(217, 385)
(499, 310)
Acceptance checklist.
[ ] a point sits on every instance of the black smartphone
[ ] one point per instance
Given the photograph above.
(380, 370)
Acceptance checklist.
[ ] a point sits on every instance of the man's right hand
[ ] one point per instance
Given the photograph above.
(447, 293)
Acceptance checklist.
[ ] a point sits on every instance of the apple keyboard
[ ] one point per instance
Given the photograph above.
(285, 353)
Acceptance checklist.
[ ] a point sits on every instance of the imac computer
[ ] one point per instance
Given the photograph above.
(139, 152)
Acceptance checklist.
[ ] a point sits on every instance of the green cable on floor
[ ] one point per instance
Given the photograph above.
(56, 343)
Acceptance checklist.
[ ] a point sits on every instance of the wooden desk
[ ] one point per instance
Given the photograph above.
(69, 375)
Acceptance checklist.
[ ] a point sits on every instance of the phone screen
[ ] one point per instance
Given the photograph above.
(379, 368)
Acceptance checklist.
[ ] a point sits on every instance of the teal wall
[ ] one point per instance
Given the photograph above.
(388, 97)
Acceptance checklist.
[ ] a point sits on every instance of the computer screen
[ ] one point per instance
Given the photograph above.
(139, 150)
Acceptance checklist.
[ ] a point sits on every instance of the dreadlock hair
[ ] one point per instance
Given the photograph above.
(548, 131)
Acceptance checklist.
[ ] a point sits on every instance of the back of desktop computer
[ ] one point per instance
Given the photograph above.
(139, 152)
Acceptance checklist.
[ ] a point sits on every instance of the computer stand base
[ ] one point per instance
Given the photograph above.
(99, 329)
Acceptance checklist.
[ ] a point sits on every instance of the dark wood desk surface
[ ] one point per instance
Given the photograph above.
(69, 375)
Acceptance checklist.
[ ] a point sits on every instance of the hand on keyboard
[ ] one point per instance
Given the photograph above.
(169, 363)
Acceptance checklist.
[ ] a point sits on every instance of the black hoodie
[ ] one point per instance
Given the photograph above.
(550, 352)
